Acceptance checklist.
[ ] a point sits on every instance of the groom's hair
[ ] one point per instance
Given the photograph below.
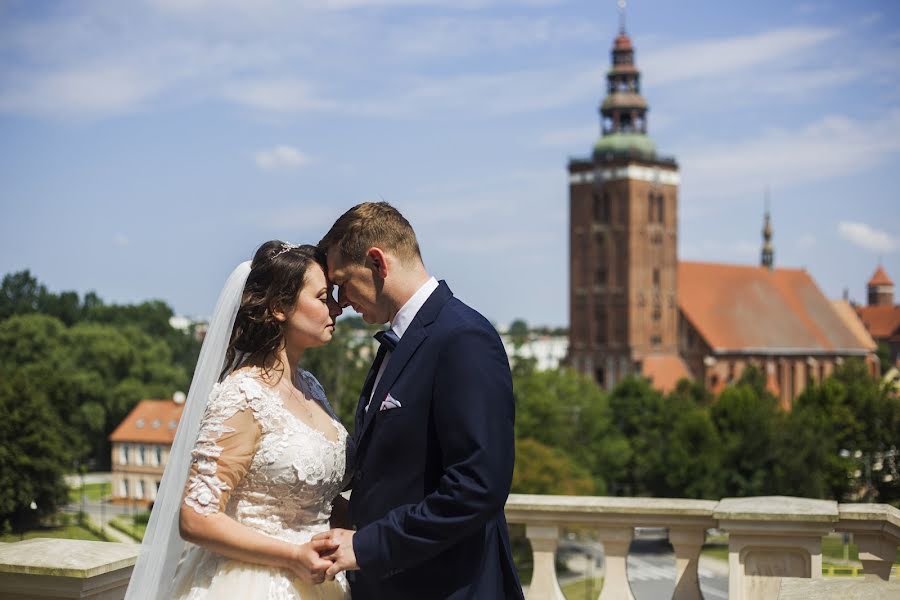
(372, 224)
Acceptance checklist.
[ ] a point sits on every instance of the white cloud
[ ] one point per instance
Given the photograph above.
(120, 239)
(89, 91)
(281, 157)
(278, 95)
(833, 146)
(806, 241)
(867, 237)
(729, 56)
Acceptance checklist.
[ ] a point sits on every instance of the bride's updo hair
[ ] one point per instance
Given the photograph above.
(277, 274)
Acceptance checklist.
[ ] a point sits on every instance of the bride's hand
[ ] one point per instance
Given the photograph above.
(308, 564)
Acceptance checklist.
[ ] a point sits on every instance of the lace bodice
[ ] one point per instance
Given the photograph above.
(261, 465)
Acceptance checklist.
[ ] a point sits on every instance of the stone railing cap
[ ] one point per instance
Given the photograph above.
(793, 588)
(776, 508)
(66, 558)
(610, 504)
(873, 512)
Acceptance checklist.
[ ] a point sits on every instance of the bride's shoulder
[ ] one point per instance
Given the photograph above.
(312, 384)
(243, 386)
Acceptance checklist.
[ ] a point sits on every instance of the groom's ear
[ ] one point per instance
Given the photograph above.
(377, 260)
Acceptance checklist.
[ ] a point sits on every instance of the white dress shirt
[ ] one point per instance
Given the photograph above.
(402, 319)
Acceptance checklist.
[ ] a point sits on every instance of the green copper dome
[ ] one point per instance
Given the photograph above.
(615, 143)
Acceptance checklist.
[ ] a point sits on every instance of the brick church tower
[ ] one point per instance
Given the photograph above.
(623, 209)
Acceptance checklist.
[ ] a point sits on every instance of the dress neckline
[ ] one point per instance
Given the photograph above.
(339, 429)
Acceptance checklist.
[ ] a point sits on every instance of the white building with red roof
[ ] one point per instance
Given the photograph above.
(140, 448)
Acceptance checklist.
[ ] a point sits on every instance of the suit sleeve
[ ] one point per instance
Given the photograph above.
(473, 411)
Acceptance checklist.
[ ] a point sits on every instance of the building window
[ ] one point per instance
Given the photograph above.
(123, 454)
(602, 326)
(657, 313)
(601, 276)
(123, 489)
(157, 455)
(140, 459)
(651, 208)
(660, 215)
(656, 277)
(139, 489)
(600, 376)
(602, 208)
(655, 341)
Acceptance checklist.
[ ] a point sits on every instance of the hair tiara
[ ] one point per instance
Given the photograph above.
(285, 247)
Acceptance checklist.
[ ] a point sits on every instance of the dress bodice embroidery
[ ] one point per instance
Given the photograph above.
(294, 470)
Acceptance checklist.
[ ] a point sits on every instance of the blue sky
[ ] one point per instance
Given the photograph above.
(146, 147)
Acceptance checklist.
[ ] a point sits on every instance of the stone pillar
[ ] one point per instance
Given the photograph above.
(876, 531)
(616, 541)
(770, 538)
(687, 544)
(52, 569)
(544, 541)
(876, 553)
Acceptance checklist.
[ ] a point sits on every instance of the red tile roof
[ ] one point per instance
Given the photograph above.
(739, 308)
(664, 370)
(151, 422)
(883, 322)
(851, 318)
(880, 277)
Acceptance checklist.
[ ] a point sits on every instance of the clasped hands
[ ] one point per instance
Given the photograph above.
(327, 554)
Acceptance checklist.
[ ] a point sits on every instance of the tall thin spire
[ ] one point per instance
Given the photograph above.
(623, 112)
(768, 251)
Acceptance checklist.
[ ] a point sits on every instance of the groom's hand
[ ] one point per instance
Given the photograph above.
(344, 558)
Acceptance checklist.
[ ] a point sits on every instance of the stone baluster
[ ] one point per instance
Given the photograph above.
(544, 541)
(616, 541)
(687, 543)
(770, 538)
(876, 532)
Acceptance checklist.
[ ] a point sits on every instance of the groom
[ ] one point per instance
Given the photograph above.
(434, 426)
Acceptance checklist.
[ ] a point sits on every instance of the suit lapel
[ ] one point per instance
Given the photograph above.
(366, 393)
(409, 343)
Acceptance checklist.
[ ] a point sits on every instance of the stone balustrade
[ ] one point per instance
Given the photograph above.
(50, 569)
(770, 538)
(774, 548)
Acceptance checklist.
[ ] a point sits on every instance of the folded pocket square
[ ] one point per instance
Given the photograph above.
(390, 403)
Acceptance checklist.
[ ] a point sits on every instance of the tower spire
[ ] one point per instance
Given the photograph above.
(623, 112)
(768, 251)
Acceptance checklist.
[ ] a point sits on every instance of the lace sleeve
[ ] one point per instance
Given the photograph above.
(224, 449)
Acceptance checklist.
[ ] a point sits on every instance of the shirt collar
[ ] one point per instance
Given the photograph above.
(409, 310)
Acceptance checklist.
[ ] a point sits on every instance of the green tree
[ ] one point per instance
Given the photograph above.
(543, 470)
(564, 410)
(690, 461)
(637, 410)
(34, 455)
(749, 424)
(20, 293)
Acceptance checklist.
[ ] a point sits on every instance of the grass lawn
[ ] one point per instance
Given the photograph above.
(125, 524)
(92, 491)
(69, 532)
(585, 588)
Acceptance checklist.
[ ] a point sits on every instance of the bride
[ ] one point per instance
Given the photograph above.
(259, 454)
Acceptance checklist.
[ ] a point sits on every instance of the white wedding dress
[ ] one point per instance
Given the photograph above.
(265, 468)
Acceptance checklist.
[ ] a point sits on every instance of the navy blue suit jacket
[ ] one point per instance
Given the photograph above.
(432, 477)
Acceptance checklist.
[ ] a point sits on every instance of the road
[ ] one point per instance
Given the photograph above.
(98, 512)
(651, 568)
